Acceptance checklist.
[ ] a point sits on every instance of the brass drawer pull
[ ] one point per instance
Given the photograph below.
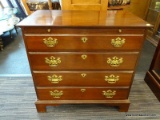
(109, 93)
(111, 79)
(55, 79)
(52, 61)
(83, 75)
(48, 30)
(50, 42)
(84, 39)
(118, 42)
(115, 61)
(83, 90)
(120, 30)
(83, 57)
(56, 93)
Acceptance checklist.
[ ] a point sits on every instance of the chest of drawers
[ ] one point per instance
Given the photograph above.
(83, 61)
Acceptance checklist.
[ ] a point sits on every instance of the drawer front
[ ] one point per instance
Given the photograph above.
(82, 30)
(83, 61)
(84, 42)
(82, 93)
(82, 78)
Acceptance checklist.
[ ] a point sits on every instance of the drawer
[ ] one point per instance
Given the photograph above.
(83, 42)
(73, 93)
(83, 61)
(82, 78)
(82, 30)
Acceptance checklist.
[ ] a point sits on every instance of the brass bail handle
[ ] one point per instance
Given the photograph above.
(53, 61)
(111, 79)
(55, 79)
(115, 61)
(109, 93)
(118, 42)
(83, 90)
(50, 42)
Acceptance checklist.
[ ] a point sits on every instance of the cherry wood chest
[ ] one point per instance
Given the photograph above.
(83, 57)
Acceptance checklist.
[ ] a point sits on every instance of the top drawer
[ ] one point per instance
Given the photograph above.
(81, 30)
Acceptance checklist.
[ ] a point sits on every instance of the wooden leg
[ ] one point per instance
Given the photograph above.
(41, 107)
(124, 107)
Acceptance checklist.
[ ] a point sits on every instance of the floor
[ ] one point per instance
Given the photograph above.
(14, 62)
(13, 59)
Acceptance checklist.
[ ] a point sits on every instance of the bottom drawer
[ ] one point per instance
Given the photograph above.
(88, 93)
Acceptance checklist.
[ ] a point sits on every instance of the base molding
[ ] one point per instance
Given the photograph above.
(122, 104)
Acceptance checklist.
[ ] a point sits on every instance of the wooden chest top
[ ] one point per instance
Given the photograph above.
(58, 18)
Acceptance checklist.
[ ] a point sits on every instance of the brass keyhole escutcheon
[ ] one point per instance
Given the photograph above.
(84, 39)
(83, 57)
(83, 75)
(83, 90)
(49, 30)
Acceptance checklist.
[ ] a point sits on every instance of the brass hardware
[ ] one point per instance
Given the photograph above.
(50, 42)
(115, 61)
(55, 79)
(111, 79)
(49, 30)
(56, 93)
(83, 90)
(109, 93)
(84, 39)
(148, 24)
(119, 30)
(118, 42)
(83, 74)
(52, 61)
(83, 57)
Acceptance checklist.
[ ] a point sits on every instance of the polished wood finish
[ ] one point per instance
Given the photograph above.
(72, 60)
(84, 5)
(81, 66)
(66, 42)
(83, 78)
(82, 30)
(152, 77)
(93, 19)
(71, 93)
